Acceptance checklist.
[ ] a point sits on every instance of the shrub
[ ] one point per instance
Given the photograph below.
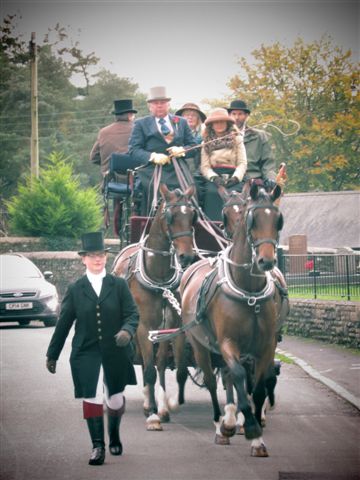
(54, 205)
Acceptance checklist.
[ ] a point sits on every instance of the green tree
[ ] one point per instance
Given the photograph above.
(309, 84)
(54, 205)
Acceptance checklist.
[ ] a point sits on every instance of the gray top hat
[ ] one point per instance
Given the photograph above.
(93, 242)
(123, 106)
(238, 105)
(158, 93)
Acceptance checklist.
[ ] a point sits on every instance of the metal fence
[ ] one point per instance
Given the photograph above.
(325, 276)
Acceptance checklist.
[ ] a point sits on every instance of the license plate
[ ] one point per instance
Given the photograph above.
(19, 306)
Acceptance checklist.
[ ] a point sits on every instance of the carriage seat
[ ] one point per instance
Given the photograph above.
(120, 164)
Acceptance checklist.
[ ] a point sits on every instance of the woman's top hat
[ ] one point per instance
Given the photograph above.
(93, 242)
(123, 106)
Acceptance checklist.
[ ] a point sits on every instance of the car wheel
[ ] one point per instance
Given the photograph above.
(50, 322)
(24, 322)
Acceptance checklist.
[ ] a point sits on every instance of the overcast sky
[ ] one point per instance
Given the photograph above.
(189, 46)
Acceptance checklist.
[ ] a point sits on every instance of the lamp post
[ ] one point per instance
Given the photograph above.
(34, 110)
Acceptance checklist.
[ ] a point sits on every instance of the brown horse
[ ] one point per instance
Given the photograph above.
(231, 306)
(234, 203)
(153, 269)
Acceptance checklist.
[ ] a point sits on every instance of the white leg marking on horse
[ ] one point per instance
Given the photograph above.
(217, 426)
(264, 408)
(162, 401)
(173, 403)
(230, 415)
(257, 442)
(240, 420)
(146, 397)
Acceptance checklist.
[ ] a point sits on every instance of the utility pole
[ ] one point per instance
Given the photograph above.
(34, 109)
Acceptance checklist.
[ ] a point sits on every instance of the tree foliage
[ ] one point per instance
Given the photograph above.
(54, 205)
(312, 85)
(67, 122)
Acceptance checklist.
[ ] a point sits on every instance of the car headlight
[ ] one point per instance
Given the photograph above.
(52, 302)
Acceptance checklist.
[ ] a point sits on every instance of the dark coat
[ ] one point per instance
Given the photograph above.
(145, 139)
(97, 320)
(113, 138)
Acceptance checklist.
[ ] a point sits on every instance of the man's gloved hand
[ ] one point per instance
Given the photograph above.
(122, 338)
(176, 151)
(232, 181)
(51, 365)
(159, 158)
(217, 180)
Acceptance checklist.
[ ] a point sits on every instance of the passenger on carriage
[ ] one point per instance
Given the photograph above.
(260, 159)
(114, 138)
(156, 139)
(195, 118)
(223, 160)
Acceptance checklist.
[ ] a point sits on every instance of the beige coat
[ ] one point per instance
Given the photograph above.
(113, 138)
(225, 156)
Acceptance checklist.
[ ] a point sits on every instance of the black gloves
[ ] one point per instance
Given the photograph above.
(122, 338)
(51, 365)
(231, 182)
(217, 180)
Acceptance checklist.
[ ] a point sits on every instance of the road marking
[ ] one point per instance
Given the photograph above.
(326, 381)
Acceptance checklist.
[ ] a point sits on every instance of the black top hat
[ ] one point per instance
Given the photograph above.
(238, 105)
(123, 106)
(93, 242)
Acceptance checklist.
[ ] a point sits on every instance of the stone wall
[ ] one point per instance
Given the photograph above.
(329, 321)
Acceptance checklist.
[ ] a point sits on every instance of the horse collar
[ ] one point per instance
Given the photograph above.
(147, 282)
(237, 293)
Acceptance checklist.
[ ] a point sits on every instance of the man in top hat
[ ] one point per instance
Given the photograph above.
(156, 139)
(114, 138)
(260, 160)
(106, 319)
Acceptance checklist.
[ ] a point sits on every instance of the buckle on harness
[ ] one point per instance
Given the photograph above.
(251, 301)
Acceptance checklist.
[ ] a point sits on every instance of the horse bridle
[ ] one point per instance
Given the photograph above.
(230, 203)
(169, 219)
(249, 221)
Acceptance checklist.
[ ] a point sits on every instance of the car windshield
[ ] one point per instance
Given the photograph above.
(12, 266)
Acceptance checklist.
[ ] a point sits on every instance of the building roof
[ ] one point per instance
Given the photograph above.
(328, 219)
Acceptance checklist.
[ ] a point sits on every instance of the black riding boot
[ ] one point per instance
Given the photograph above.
(114, 419)
(96, 429)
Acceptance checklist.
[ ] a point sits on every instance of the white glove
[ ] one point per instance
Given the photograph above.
(159, 158)
(176, 151)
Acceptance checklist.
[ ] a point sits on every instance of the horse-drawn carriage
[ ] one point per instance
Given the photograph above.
(227, 301)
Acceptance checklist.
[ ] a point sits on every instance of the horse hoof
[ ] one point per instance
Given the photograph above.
(153, 424)
(164, 417)
(259, 451)
(227, 431)
(240, 430)
(221, 440)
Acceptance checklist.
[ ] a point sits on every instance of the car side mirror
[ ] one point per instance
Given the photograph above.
(48, 275)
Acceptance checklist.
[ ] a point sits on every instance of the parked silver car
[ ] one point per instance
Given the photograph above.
(25, 293)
